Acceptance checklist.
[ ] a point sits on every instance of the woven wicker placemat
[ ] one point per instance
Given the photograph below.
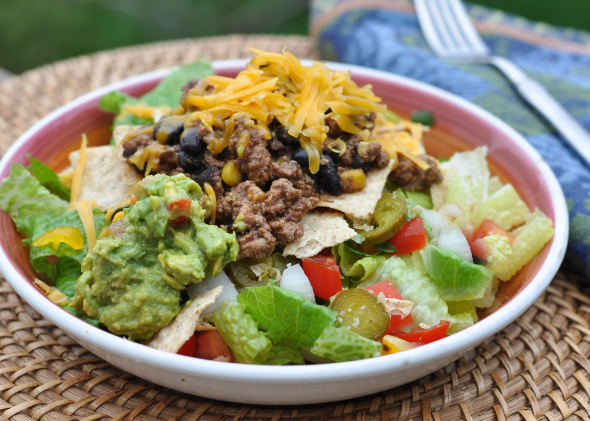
(536, 368)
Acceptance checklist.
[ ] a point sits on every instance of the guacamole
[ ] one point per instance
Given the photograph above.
(133, 277)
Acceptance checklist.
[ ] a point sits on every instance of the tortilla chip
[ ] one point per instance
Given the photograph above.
(107, 176)
(119, 132)
(360, 205)
(321, 230)
(172, 337)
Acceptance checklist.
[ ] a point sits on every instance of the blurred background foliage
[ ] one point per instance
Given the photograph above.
(37, 32)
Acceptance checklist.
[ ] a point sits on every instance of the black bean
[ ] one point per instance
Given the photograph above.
(357, 162)
(191, 142)
(209, 175)
(300, 156)
(285, 138)
(189, 163)
(169, 129)
(329, 177)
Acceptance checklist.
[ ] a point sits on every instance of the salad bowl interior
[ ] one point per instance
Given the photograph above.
(459, 126)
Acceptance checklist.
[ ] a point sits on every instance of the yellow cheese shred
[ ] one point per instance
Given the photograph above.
(122, 204)
(52, 293)
(213, 198)
(77, 179)
(85, 211)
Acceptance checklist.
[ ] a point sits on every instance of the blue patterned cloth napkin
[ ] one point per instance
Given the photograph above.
(385, 34)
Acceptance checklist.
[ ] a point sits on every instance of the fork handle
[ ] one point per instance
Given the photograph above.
(536, 95)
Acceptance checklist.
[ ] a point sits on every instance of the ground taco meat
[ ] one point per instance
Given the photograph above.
(277, 187)
(411, 177)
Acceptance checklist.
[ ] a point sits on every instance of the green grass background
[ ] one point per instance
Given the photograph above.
(37, 32)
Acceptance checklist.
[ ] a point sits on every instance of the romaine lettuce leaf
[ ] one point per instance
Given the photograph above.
(354, 265)
(500, 252)
(463, 315)
(504, 207)
(285, 315)
(455, 278)
(22, 196)
(415, 286)
(48, 179)
(340, 344)
(461, 321)
(488, 296)
(167, 93)
(467, 193)
(42, 223)
(240, 332)
(530, 239)
(284, 354)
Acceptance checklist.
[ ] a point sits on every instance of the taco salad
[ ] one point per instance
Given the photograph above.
(284, 216)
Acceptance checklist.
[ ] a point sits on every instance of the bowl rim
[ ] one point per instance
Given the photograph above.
(246, 373)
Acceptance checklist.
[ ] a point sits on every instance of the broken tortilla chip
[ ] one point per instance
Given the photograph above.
(172, 337)
(320, 230)
(361, 204)
(107, 176)
(120, 131)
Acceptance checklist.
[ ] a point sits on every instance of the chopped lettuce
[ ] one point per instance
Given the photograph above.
(467, 193)
(504, 207)
(463, 315)
(494, 184)
(285, 315)
(455, 278)
(354, 265)
(167, 93)
(42, 223)
(48, 179)
(22, 196)
(284, 354)
(500, 252)
(472, 164)
(415, 286)
(530, 239)
(340, 344)
(240, 332)
(488, 296)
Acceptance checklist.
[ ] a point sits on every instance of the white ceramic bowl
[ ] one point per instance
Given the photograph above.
(460, 125)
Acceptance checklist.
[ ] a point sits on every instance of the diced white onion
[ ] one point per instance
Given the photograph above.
(452, 210)
(436, 221)
(452, 238)
(229, 293)
(295, 279)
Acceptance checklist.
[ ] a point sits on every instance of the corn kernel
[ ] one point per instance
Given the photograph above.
(231, 174)
(353, 180)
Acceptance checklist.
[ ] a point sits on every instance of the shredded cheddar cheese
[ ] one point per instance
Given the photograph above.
(52, 293)
(85, 211)
(77, 179)
(122, 204)
(278, 86)
(213, 198)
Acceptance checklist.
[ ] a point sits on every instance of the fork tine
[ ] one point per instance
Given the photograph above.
(453, 26)
(466, 25)
(428, 29)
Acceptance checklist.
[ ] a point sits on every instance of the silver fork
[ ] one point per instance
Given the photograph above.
(451, 35)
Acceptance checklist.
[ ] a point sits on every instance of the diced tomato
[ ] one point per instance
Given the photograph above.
(489, 227)
(389, 291)
(188, 348)
(412, 237)
(424, 336)
(385, 287)
(323, 274)
(180, 211)
(479, 249)
(210, 345)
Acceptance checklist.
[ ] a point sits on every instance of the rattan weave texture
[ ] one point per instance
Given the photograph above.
(536, 368)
